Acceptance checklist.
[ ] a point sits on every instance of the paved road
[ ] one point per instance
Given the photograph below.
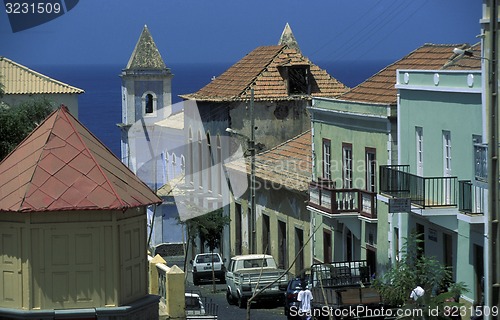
(260, 311)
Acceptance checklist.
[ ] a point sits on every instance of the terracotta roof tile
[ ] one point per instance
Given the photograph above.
(380, 88)
(288, 164)
(260, 70)
(62, 166)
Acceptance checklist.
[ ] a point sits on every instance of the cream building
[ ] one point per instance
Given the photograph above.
(72, 226)
(21, 83)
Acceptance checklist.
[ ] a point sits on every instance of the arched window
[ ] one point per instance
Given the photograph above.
(149, 103)
(167, 164)
(174, 160)
(190, 172)
(218, 163)
(183, 164)
(209, 162)
(200, 160)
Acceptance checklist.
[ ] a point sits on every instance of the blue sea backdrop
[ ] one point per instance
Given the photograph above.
(100, 105)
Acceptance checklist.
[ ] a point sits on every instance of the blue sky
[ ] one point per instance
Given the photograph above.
(105, 31)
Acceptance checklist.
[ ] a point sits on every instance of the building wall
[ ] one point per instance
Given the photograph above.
(284, 208)
(72, 259)
(436, 102)
(435, 112)
(275, 122)
(361, 126)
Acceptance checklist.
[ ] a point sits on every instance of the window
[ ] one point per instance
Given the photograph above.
(237, 229)
(447, 153)
(327, 158)
(347, 165)
(149, 103)
(266, 234)
(299, 252)
(327, 246)
(200, 160)
(183, 164)
(190, 156)
(298, 80)
(219, 165)
(371, 169)
(209, 162)
(419, 134)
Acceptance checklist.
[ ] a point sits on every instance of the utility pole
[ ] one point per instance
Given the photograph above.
(492, 298)
(251, 143)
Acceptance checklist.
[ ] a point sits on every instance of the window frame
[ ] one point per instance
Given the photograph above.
(154, 104)
(371, 170)
(326, 159)
(347, 166)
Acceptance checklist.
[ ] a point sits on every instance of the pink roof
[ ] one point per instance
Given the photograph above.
(62, 166)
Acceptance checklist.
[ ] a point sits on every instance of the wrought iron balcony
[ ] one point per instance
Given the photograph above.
(471, 198)
(424, 192)
(324, 197)
(481, 161)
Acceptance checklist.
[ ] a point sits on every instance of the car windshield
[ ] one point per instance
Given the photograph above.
(295, 284)
(255, 263)
(206, 258)
(193, 303)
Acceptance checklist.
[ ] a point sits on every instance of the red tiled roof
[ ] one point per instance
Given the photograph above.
(380, 88)
(62, 166)
(260, 70)
(288, 164)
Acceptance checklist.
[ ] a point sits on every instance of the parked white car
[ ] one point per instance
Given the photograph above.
(251, 274)
(202, 267)
(194, 305)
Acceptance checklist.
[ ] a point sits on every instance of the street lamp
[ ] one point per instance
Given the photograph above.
(251, 147)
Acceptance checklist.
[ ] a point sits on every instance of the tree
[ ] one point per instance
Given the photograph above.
(208, 228)
(415, 269)
(17, 122)
(2, 89)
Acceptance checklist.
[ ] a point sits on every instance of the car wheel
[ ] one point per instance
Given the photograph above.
(242, 302)
(229, 297)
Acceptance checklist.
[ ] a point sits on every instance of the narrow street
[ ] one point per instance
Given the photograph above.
(260, 311)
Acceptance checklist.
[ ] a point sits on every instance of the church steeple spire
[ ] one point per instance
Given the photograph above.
(288, 38)
(146, 54)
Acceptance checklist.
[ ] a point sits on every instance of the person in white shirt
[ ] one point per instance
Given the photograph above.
(304, 297)
(417, 293)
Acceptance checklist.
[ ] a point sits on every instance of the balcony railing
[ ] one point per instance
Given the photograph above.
(323, 196)
(470, 198)
(481, 161)
(424, 192)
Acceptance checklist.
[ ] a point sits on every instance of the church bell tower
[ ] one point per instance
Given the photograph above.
(146, 99)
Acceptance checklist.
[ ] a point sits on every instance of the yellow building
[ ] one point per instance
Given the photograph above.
(72, 228)
(21, 83)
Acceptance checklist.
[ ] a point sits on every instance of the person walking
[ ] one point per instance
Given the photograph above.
(304, 297)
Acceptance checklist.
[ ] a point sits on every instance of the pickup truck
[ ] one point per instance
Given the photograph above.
(249, 274)
(341, 286)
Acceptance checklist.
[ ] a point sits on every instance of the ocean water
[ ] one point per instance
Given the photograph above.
(100, 105)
